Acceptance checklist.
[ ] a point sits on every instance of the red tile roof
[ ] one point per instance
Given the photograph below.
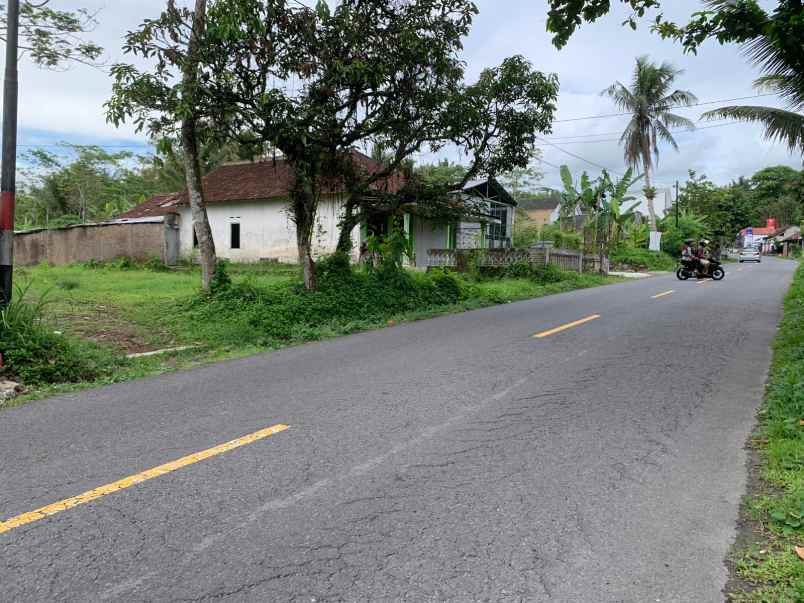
(158, 205)
(271, 179)
(251, 181)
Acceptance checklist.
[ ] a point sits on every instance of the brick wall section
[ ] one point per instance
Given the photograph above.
(101, 242)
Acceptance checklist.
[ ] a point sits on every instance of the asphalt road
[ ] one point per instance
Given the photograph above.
(455, 459)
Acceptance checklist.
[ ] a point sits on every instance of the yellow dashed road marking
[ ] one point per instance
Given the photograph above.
(569, 325)
(127, 482)
(658, 295)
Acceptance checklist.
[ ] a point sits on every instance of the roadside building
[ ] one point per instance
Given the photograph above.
(247, 208)
(757, 236)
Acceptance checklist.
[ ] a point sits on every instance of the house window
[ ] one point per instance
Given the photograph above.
(498, 230)
(234, 235)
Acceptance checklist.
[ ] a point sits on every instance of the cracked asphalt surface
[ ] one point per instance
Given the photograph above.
(454, 459)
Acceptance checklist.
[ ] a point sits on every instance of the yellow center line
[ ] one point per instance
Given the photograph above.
(569, 325)
(127, 482)
(665, 293)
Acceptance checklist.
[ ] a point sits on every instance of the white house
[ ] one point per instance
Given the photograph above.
(247, 208)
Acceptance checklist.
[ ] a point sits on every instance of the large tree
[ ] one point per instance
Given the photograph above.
(170, 101)
(315, 84)
(649, 100)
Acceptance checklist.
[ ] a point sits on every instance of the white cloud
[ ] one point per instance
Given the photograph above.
(69, 105)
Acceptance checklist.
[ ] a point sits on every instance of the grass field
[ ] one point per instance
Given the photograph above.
(122, 309)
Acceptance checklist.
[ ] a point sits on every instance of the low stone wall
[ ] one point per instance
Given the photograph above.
(138, 240)
(567, 259)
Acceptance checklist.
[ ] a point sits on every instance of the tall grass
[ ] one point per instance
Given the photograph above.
(36, 354)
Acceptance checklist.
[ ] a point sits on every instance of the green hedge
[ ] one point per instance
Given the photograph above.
(642, 259)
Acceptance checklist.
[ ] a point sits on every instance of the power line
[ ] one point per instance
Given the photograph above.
(616, 133)
(590, 162)
(576, 156)
(687, 130)
(714, 102)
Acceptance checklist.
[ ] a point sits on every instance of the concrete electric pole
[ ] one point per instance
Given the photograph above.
(8, 172)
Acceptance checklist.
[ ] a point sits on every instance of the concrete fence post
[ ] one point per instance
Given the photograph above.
(580, 262)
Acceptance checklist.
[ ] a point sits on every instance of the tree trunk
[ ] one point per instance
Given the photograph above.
(347, 226)
(304, 236)
(304, 203)
(649, 194)
(192, 165)
(195, 192)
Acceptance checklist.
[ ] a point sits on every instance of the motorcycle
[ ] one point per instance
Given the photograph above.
(689, 269)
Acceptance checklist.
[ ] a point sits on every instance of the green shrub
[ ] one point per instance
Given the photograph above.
(642, 259)
(245, 313)
(155, 264)
(690, 226)
(550, 273)
(92, 264)
(334, 268)
(35, 354)
(561, 239)
(447, 287)
(520, 269)
(220, 279)
(123, 263)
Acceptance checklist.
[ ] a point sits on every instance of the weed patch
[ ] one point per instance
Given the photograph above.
(773, 569)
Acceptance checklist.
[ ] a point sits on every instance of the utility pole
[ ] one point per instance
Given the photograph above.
(676, 203)
(8, 171)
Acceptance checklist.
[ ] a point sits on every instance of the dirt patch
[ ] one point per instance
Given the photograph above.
(106, 325)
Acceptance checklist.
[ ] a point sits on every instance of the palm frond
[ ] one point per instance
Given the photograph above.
(622, 97)
(676, 121)
(664, 134)
(678, 98)
(789, 87)
(781, 125)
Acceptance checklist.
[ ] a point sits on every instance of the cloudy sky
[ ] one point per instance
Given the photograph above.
(68, 106)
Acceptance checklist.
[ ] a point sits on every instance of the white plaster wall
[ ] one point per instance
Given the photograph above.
(266, 230)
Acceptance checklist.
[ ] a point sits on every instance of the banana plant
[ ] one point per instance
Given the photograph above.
(619, 218)
(586, 199)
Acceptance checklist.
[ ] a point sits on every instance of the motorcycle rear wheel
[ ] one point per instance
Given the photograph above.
(682, 275)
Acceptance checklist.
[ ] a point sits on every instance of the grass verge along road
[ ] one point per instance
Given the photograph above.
(768, 561)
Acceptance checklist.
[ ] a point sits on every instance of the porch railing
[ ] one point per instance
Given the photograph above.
(567, 259)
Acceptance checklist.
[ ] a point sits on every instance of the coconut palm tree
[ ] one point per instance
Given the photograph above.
(782, 65)
(649, 100)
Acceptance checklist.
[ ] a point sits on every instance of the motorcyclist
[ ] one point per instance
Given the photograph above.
(687, 251)
(703, 257)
